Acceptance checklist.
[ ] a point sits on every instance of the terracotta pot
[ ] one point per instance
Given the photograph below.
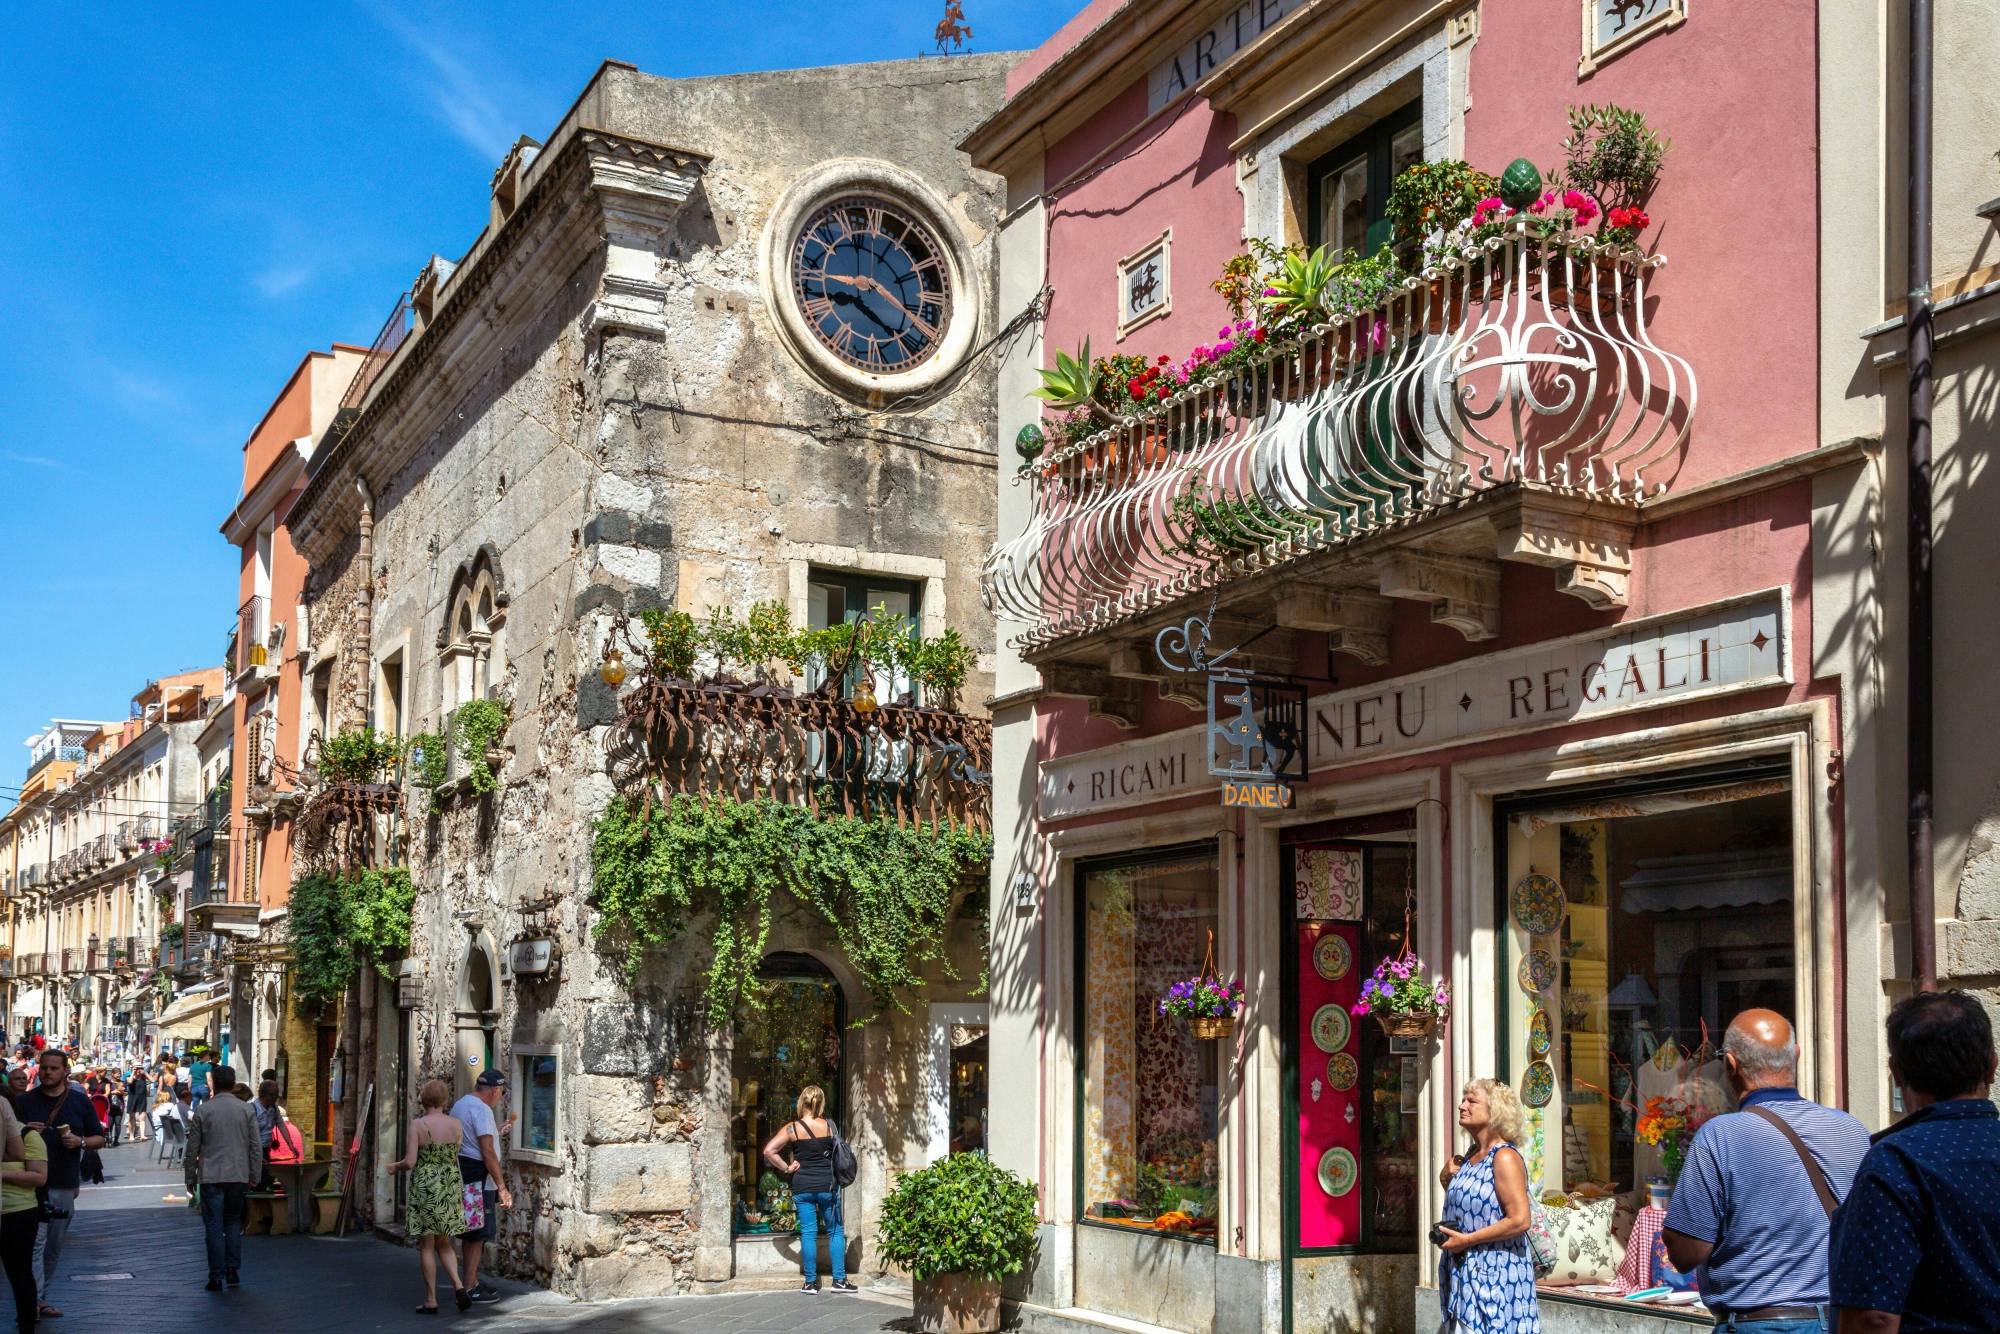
(1398, 1025)
(1212, 1027)
(957, 1304)
(1446, 307)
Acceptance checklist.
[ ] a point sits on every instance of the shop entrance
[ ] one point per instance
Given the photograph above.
(1351, 1093)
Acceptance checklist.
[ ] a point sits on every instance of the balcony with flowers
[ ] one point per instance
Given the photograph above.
(1368, 429)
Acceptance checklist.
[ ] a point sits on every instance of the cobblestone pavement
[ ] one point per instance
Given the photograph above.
(135, 1247)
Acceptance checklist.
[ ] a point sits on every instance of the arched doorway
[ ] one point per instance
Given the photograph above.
(477, 1016)
(790, 1031)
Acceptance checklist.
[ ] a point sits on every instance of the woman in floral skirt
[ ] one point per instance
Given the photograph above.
(435, 1212)
(1486, 1278)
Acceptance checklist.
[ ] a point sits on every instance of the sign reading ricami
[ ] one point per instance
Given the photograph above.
(1731, 646)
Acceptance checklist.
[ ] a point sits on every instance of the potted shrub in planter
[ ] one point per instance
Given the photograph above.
(959, 1227)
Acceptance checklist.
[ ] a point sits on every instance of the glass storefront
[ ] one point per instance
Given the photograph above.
(1149, 1095)
(788, 1034)
(1635, 925)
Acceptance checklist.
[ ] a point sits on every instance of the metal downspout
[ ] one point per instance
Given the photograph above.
(1918, 326)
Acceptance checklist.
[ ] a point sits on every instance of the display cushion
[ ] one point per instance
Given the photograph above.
(1584, 1249)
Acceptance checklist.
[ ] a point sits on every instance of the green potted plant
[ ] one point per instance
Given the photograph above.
(959, 1227)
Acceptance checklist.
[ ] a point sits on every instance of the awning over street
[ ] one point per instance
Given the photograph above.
(188, 1016)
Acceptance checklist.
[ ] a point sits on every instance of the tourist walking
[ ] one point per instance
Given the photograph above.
(1916, 1246)
(479, 1165)
(24, 1169)
(1752, 1206)
(114, 1124)
(435, 1208)
(138, 1103)
(59, 1110)
(1486, 1278)
(201, 1078)
(224, 1158)
(804, 1151)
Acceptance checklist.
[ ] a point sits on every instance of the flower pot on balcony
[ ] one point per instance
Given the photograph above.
(957, 1304)
(1445, 308)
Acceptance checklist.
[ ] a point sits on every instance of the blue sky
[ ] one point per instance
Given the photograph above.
(196, 195)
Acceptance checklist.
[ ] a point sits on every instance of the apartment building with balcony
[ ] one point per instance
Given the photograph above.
(273, 721)
(93, 912)
(719, 347)
(29, 827)
(1465, 608)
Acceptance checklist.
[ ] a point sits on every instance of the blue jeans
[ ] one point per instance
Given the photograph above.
(222, 1219)
(812, 1205)
(1819, 1326)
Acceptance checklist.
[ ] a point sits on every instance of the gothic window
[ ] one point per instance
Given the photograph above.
(473, 657)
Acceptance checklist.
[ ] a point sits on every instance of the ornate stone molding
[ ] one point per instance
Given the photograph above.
(640, 188)
(1463, 593)
(1356, 621)
(1592, 557)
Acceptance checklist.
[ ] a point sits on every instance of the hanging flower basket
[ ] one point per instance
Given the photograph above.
(1406, 1001)
(1207, 1002)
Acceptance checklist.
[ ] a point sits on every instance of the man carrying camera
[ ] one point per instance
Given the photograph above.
(69, 1125)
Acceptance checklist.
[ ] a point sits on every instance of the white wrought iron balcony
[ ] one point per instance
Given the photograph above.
(1508, 405)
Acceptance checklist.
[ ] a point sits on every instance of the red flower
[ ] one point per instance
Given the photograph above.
(1164, 360)
(1258, 335)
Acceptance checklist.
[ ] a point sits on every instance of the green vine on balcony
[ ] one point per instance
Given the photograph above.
(674, 643)
(886, 891)
(476, 728)
(358, 755)
(339, 921)
(430, 760)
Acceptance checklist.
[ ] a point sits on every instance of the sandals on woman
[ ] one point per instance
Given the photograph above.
(464, 1297)
(430, 1309)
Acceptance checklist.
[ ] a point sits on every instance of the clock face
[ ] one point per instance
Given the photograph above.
(871, 282)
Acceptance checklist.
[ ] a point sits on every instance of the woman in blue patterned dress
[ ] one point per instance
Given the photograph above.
(1486, 1279)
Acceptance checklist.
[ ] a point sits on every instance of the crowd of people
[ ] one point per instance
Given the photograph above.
(1789, 1216)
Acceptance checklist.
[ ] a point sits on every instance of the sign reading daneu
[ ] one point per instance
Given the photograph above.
(1211, 48)
(1740, 645)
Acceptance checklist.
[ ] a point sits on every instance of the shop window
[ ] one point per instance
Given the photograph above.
(537, 1082)
(1353, 1091)
(968, 1090)
(1149, 1088)
(788, 1034)
(1636, 924)
(1349, 187)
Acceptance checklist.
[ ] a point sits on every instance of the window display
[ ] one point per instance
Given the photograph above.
(788, 1034)
(1150, 1090)
(1636, 925)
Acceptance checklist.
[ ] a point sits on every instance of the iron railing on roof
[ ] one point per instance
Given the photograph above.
(395, 329)
(1518, 361)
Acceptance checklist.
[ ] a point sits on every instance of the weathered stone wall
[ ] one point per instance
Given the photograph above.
(611, 470)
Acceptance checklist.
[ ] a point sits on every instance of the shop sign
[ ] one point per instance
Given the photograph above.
(1720, 649)
(1212, 48)
(1265, 794)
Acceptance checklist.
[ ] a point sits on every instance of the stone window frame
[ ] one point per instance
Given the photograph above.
(471, 641)
(1670, 15)
(521, 1052)
(802, 558)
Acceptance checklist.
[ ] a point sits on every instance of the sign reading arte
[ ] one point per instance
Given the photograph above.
(1212, 47)
(1732, 646)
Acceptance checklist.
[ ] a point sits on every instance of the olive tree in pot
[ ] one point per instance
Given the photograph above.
(959, 1226)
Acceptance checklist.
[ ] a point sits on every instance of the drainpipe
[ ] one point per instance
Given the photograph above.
(358, 1017)
(1918, 327)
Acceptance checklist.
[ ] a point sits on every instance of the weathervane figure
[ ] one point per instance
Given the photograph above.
(952, 29)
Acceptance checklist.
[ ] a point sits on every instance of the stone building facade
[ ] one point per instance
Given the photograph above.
(617, 400)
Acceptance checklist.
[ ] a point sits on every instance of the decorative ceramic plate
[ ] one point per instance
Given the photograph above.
(1333, 957)
(1538, 904)
(1330, 1027)
(1338, 1172)
(1537, 971)
(1539, 1084)
(1342, 1071)
(1541, 1033)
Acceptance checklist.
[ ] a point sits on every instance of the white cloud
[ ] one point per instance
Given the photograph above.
(36, 461)
(281, 280)
(142, 390)
(457, 92)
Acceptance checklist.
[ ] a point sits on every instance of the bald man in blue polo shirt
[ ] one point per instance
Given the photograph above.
(1748, 1210)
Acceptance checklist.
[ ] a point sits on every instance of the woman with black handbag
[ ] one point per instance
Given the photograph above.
(808, 1151)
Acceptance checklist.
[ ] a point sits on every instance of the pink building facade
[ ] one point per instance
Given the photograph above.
(1516, 562)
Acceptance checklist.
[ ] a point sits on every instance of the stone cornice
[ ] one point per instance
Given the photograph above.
(625, 176)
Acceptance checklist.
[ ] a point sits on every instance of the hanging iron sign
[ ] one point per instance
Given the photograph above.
(1256, 724)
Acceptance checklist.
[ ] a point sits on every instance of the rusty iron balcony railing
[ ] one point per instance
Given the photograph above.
(897, 762)
(1518, 362)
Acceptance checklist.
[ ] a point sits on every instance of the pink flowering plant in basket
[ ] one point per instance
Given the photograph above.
(1401, 986)
(1202, 998)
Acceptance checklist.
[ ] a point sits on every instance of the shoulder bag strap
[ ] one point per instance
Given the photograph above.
(1827, 1200)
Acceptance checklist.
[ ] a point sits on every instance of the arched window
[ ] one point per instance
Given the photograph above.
(473, 656)
(790, 1031)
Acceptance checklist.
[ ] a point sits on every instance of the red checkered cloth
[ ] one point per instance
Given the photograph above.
(1636, 1274)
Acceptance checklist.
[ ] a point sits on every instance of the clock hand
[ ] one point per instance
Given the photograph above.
(929, 330)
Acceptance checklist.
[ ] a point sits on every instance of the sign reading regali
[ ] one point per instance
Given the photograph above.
(1733, 646)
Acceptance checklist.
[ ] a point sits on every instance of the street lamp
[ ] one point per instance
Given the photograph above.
(612, 672)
